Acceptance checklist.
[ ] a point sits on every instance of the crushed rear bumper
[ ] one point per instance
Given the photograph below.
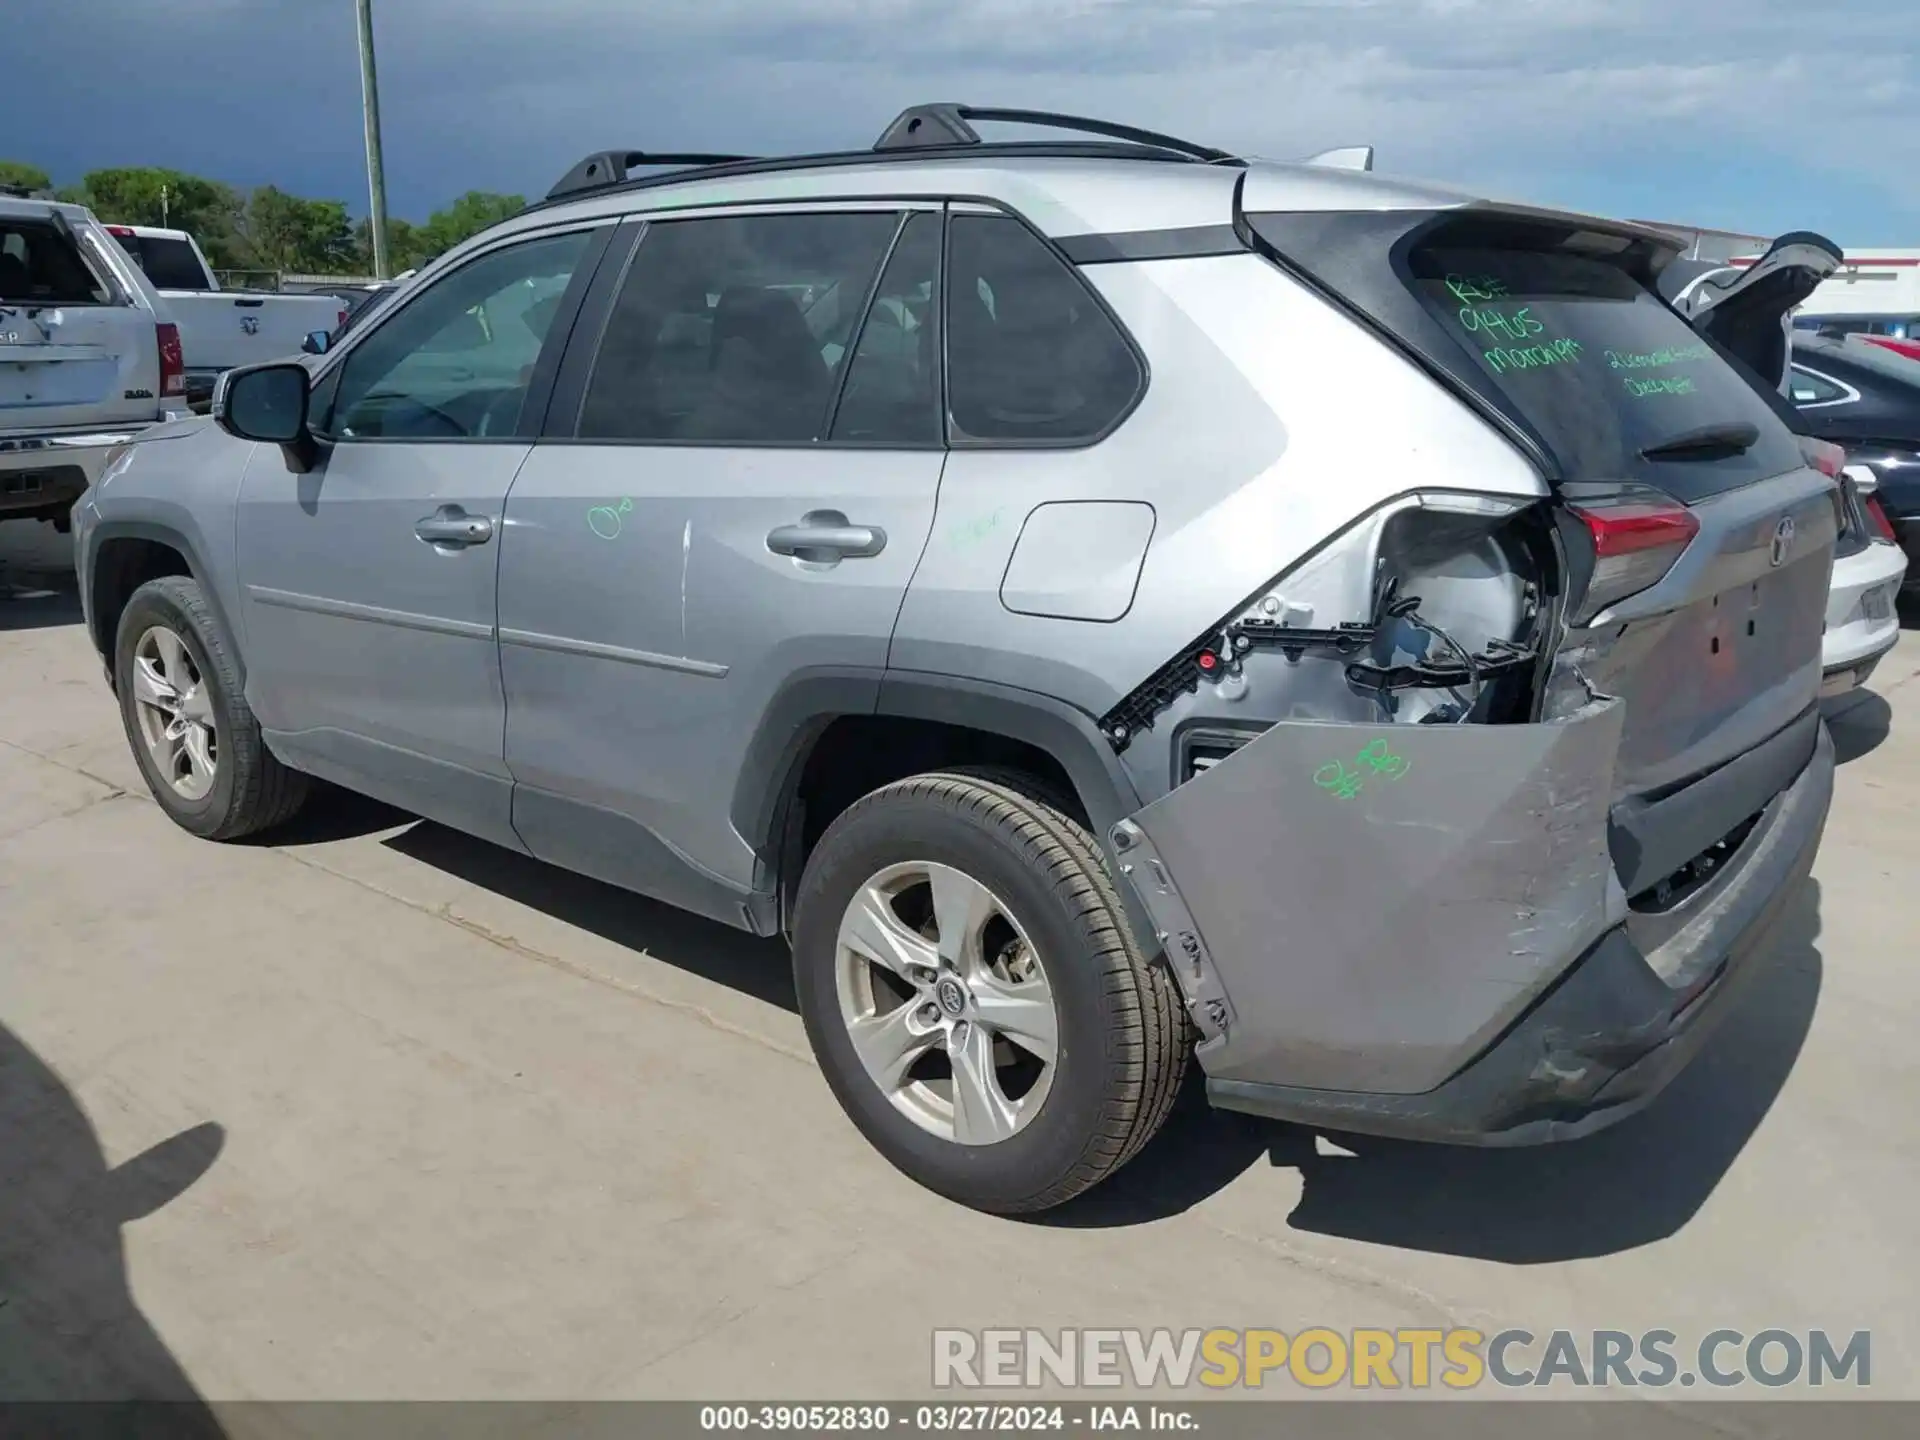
(1420, 931)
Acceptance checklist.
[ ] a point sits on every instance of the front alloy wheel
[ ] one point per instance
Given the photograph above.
(947, 1003)
(175, 713)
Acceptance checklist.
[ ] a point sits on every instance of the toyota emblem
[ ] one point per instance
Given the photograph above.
(1782, 541)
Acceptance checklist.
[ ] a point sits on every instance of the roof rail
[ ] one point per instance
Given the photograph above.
(940, 126)
(610, 167)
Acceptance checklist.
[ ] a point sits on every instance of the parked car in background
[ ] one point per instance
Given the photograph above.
(1867, 398)
(1749, 309)
(220, 329)
(1876, 291)
(360, 301)
(89, 356)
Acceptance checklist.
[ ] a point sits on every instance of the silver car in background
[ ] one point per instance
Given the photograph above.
(1110, 603)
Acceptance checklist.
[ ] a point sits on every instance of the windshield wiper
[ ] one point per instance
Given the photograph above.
(1708, 442)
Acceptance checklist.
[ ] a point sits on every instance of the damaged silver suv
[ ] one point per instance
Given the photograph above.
(1104, 600)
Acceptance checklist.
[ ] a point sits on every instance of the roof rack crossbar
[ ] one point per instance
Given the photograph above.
(922, 127)
(611, 167)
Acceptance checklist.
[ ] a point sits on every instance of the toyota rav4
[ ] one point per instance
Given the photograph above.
(1108, 603)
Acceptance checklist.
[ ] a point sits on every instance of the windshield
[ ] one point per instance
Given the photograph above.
(1599, 365)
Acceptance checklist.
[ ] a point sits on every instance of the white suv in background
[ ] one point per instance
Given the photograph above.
(89, 356)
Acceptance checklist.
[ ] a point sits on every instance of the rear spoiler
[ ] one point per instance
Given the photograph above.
(1346, 157)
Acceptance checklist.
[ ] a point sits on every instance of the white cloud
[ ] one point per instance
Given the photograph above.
(1515, 95)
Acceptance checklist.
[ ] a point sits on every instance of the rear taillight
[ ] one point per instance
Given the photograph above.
(1636, 541)
(173, 364)
(340, 319)
(1880, 521)
(1823, 455)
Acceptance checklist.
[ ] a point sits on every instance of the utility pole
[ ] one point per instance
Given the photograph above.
(370, 108)
(163, 205)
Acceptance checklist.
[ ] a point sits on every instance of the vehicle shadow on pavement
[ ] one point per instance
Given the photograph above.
(1859, 728)
(1636, 1183)
(69, 1328)
(743, 962)
(36, 602)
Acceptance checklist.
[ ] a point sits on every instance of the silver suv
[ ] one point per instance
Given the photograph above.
(1104, 600)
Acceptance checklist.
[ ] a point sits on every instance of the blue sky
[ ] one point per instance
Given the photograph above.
(1769, 116)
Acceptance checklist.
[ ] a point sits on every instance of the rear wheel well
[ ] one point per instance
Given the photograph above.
(857, 754)
(122, 566)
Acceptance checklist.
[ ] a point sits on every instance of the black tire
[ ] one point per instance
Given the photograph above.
(252, 791)
(1123, 1035)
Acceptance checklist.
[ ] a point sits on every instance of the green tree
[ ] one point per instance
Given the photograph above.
(28, 177)
(149, 195)
(466, 217)
(406, 249)
(286, 232)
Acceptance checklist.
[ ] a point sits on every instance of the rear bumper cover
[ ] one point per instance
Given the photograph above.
(46, 472)
(1453, 960)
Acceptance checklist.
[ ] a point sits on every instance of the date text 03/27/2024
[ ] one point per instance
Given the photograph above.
(945, 1418)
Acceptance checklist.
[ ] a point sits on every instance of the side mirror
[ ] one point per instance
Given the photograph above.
(317, 342)
(265, 403)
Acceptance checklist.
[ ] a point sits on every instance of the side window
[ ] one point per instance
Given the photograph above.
(1807, 388)
(455, 363)
(733, 329)
(1031, 355)
(892, 394)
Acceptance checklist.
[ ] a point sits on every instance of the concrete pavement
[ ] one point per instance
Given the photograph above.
(379, 1111)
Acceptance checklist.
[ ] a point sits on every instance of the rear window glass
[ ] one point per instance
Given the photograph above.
(1599, 365)
(40, 266)
(172, 265)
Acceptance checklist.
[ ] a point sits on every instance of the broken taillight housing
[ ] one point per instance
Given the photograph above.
(1637, 536)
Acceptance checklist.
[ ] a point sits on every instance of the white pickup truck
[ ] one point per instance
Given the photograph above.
(220, 329)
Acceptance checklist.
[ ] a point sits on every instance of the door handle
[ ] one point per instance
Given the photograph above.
(452, 526)
(824, 537)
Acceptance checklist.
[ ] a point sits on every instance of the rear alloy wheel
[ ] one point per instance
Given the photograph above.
(952, 1017)
(974, 997)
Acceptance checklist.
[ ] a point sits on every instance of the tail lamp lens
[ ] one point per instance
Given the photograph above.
(1635, 543)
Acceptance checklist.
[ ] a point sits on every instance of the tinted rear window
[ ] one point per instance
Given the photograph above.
(1552, 328)
(169, 264)
(1601, 367)
(40, 266)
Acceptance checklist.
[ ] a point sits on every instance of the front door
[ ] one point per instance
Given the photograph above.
(369, 582)
(740, 502)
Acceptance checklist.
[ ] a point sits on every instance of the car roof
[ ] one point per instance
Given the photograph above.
(154, 232)
(1126, 185)
(1061, 194)
(1860, 358)
(30, 209)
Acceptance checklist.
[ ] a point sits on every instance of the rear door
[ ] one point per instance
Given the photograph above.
(74, 349)
(738, 480)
